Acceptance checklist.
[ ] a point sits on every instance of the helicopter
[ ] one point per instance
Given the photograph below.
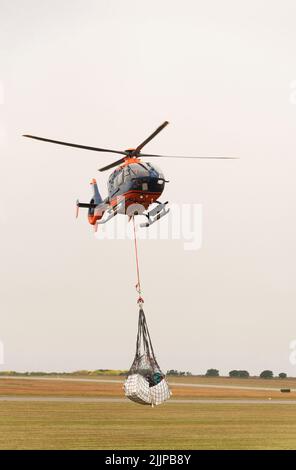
(133, 186)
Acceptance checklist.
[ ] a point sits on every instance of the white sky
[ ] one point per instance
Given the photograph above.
(107, 73)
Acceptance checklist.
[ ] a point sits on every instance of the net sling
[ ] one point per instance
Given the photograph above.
(146, 382)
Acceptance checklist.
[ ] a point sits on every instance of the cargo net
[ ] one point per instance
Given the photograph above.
(146, 382)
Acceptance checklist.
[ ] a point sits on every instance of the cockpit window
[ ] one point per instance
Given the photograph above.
(154, 169)
(145, 169)
(144, 165)
(139, 170)
(126, 171)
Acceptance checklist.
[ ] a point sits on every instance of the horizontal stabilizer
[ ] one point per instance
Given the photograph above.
(87, 205)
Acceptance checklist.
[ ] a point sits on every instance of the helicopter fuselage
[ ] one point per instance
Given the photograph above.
(138, 183)
(132, 188)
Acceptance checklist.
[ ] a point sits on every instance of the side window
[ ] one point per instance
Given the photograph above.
(126, 172)
(119, 178)
(111, 182)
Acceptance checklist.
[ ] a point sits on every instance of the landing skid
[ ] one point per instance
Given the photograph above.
(155, 214)
(112, 212)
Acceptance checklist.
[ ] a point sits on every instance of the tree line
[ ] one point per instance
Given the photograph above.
(244, 374)
(265, 374)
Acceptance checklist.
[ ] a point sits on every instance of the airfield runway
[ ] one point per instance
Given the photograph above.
(125, 400)
(60, 390)
(174, 384)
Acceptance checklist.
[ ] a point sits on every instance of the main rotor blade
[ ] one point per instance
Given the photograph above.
(215, 157)
(159, 129)
(86, 147)
(112, 165)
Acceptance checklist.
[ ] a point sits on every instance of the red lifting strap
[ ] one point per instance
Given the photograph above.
(138, 285)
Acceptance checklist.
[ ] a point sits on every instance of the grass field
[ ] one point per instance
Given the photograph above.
(130, 426)
(56, 425)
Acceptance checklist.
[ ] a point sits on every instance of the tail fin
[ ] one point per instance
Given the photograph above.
(97, 197)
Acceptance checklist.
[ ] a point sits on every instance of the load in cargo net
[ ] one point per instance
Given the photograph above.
(146, 383)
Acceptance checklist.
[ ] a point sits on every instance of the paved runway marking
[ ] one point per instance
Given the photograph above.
(221, 401)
